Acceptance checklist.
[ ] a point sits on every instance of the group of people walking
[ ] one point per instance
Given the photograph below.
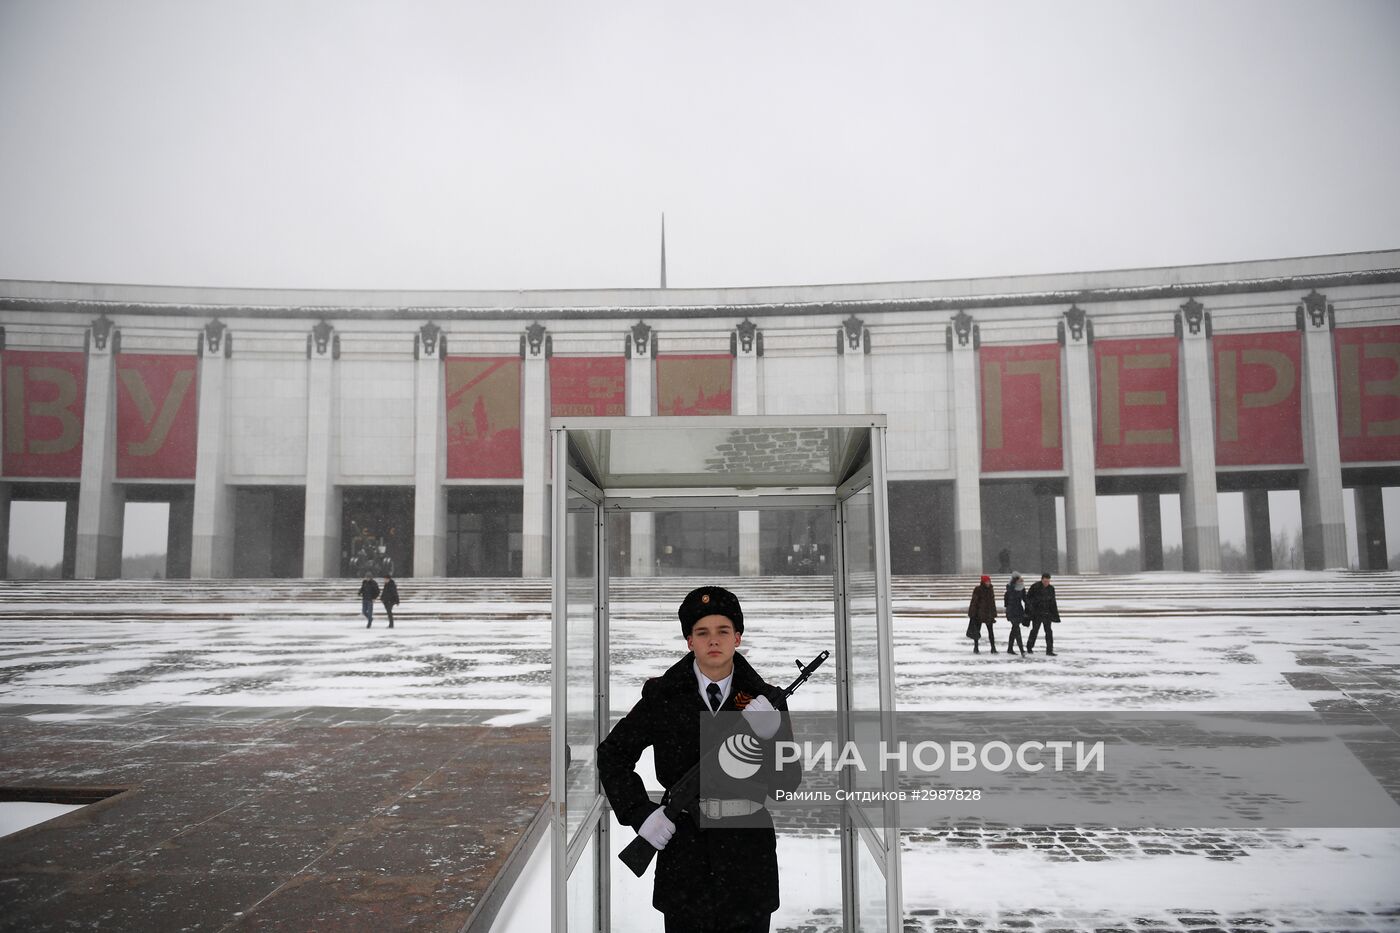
(370, 591)
(1034, 607)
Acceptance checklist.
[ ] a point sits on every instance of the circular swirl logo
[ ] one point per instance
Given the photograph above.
(740, 756)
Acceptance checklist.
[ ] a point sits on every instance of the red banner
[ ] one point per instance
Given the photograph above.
(1138, 420)
(587, 386)
(694, 385)
(1368, 393)
(157, 416)
(483, 417)
(1258, 399)
(1021, 408)
(44, 397)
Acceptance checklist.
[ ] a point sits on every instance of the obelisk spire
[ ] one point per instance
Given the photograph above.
(663, 249)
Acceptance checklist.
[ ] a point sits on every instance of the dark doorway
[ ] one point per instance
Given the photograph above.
(484, 531)
(269, 528)
(921, 527)
(697, 543)
(795, 543)
(619, 544)
(1019, 526)
(376, 531)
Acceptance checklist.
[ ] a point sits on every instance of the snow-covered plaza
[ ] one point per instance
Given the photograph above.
(477, 654)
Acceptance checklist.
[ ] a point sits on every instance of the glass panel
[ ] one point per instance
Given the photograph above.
(583, 896)
(695, 455)
(581, 641)
(863, 652)
(871, 915)
(859, 553)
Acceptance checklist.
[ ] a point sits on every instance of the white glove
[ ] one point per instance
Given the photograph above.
(657, 829)
(762, 718)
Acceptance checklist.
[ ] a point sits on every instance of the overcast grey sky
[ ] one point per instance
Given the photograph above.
(534, 144)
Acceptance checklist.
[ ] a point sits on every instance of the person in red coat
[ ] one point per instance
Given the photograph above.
(982, 610)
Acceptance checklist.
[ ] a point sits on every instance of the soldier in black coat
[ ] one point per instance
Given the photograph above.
(708, 877)
(389, 596)
(369, 590)
(1040, 605)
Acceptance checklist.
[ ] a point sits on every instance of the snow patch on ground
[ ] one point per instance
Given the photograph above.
(16, 814)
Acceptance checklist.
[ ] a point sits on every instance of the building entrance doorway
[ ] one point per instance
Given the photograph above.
(376, 531)
(141, 537)
(41, 521)
(269, 526)
(484, 532)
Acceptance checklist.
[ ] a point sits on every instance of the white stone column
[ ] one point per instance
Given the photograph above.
(853, 386)
(321, 539)
(101, 503)
(534, 452)
(1077, 400)
(429, 456)
(747, 349)
(1200, 512)
(211, 532)
(1324, 522)
(641, 402)
(967, 447)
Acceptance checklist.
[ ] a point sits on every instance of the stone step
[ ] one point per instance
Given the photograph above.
(505, 599)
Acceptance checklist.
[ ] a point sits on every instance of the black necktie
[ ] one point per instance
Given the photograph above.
(713, 691)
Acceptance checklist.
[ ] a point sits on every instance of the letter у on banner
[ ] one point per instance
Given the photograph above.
(483, 417)
(157, 416)
(694, 385)
(587, 386)
(1021, 408)
(1258, 399)
(43, 413)
(1368, 393)
(1138, 419)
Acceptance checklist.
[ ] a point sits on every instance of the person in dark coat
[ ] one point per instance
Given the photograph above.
(389, 596)
(982, 610)
(1014, 601)
(708, 877)
(369, 590)
(1040, 605)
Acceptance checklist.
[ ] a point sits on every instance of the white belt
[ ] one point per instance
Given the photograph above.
(720, 808)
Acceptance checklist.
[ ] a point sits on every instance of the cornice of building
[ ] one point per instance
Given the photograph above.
(1173, 282)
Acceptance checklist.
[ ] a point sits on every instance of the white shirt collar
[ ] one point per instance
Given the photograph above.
(705, 682)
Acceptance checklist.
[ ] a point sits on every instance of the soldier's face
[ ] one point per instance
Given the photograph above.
(713, 640)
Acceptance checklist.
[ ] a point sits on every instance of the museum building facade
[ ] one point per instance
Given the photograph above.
(326, 433)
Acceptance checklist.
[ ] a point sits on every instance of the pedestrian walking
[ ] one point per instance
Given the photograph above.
(369, 591)
(714, 878)
(982, 610)
(1014, 602)
(1044, 613)
(389, 596)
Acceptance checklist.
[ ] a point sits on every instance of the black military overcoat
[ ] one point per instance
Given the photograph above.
(717, 872)
(1040, 603)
